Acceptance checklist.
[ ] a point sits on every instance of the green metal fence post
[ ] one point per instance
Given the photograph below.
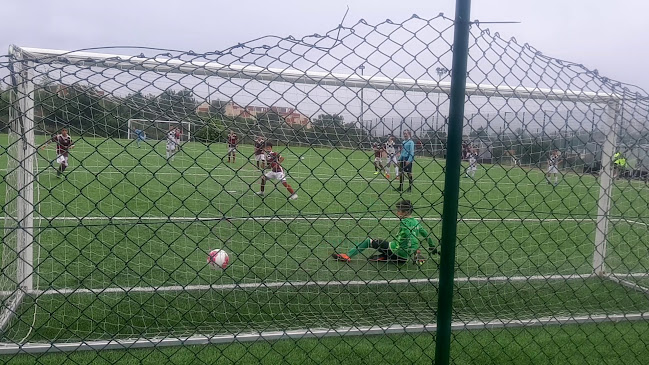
(452, 180)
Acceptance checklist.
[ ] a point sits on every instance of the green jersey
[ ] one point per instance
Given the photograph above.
(407, 241)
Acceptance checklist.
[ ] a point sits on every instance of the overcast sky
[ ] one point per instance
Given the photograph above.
(604, 35)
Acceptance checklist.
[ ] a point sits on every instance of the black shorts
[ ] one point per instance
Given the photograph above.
(383, 247)
(405, 167)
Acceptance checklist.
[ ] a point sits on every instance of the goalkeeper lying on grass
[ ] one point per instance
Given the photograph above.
(403, 248)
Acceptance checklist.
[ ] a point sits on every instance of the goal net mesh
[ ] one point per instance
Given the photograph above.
(121, 239)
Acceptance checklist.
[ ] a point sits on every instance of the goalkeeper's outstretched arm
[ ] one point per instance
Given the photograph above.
(432, 247)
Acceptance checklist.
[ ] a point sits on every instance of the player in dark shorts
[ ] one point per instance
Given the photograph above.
(232, 146)
(406, 160)
(260, 154)
(63, 146)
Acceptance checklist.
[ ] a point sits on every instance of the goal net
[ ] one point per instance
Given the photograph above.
(115, 248)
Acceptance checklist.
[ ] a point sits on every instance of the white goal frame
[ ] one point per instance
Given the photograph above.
(187, 126)
(611, 103)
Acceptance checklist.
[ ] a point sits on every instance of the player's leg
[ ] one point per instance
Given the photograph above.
(408, 171)
(387, 168)
(359, 247)
(396, 166)
(61, 161)
(63, 165)
(288, 187)
(376, 166)
(262, 186)
(384, 252)
(402, 165)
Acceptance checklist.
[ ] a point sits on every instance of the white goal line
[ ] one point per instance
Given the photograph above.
(123, 344)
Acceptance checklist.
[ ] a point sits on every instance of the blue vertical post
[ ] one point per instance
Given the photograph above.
(452, 181)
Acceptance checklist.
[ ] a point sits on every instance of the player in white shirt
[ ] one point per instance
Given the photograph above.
(391, 152)
(171, 143)
(473, 164)
(553, 167)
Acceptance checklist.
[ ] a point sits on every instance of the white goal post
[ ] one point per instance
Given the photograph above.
(25, 185)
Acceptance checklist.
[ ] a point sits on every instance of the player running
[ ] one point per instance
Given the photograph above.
(63, 146)
(276, 172)
(378, 156)
(260, 154)
(233, 140)
(473, 164)
(401, 249)
(391, 151)
(553, 167)
(406, 160)
(139, 137)
(171, 143)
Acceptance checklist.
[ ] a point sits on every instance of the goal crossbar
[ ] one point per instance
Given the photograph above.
(166, 65)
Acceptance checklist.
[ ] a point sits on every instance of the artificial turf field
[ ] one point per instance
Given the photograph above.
(124, 218)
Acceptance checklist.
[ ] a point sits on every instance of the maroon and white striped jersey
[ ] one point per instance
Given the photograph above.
(62, 144)
(273, 160)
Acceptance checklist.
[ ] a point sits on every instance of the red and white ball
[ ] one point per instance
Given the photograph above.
(218, 259)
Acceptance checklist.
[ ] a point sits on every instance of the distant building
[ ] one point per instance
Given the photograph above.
(204, 108)
(292, 116)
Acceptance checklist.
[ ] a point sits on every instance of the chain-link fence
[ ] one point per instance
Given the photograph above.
(317, 166)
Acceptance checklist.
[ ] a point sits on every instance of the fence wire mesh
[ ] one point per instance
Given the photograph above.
(109, 238)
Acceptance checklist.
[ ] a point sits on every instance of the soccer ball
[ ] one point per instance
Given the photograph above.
(218, 259)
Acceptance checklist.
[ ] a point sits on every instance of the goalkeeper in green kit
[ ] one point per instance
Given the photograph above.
(403, 248)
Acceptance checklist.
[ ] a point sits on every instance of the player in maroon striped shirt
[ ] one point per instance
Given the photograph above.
(63, 146)
(260, 154)
(274, 161)
(232, 146)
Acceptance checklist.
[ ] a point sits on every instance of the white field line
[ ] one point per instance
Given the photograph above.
(636, 275)
(630, 221)
(238, 174)
(14, 348)
(140, 170)
(299, 284)
(290, 219)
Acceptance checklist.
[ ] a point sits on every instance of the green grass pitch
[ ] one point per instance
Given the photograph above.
(165, 217)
